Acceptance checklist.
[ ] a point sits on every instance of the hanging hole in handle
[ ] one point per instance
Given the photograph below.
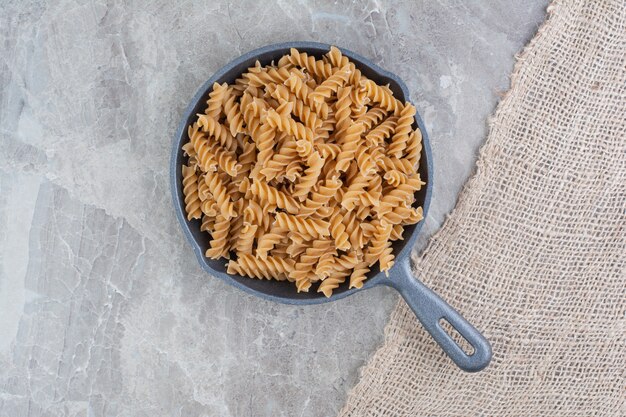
(457, 337)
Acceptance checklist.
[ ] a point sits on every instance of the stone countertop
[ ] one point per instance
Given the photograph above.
(103, 308)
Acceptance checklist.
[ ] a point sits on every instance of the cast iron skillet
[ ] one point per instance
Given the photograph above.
(429, 308)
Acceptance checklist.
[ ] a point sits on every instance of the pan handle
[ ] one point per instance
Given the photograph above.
(430, 310)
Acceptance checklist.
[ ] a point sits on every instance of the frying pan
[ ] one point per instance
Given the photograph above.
(429, 308)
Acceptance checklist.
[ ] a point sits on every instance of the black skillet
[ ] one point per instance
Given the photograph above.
(429, 308)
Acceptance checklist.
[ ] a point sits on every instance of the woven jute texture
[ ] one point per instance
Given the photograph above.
(534, 254)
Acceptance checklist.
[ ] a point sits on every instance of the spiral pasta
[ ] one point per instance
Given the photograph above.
(320, 197)
(342, 112)
(349, 145)
(300, 109)
(305, 226)
(357, 238)
(200, 148)
(338, 230)
(315, 163)
(303, 92)
(208, 222)
(303, 171)
(414, 148)
(254, 213)
(379, 243)
(280, 160)
(377, 135)
(216, 100)
(224, 160)
(216, 129)
(352, 194)
(268, 75)
(382, 96)
(303, 272)
(328, 150)
(389, 163)
(270, 239)
(338, 60)
(403, 129)
(331, 85)
(233, 115)
(273, 196)
(190, 191)
(245, 238)
(219, 242)
(317, 68)
(328, 126)
(271, 267)
(284, 123)
(364, 160)
(343, 266)
(359, 274)
(246, 160)
(325, 265)
(218, 190)
(264, 139)
(209, 206)
(372, 117)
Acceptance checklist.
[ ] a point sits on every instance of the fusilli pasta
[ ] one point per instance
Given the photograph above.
(303, 171)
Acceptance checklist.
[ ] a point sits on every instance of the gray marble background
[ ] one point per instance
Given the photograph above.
(103, 309)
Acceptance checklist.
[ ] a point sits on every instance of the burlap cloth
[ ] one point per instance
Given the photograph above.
(535, 252)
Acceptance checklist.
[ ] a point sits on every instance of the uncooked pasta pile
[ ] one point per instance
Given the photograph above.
(303, 170)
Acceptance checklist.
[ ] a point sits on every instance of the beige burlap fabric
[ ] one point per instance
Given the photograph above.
(535, 252)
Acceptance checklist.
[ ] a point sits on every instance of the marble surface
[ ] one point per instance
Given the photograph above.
(103, 309)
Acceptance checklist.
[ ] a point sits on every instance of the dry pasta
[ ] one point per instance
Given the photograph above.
(303, 171)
